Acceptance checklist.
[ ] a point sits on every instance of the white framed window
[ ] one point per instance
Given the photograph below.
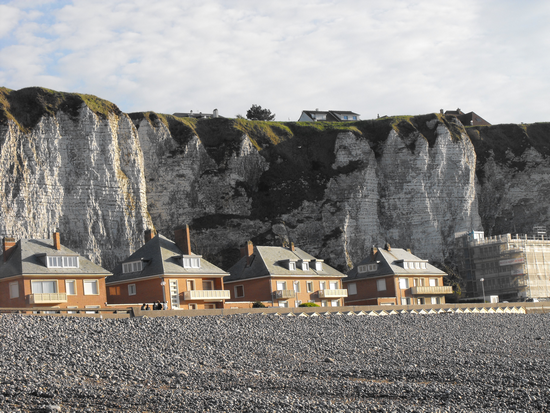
(297, 286)
(420, 301)
(297, 303)
(318, 265)
(291, 265)
(283, 303)
(191, 262)
(131, 289)
(381, 284)
(352, 288)
(405, 301)
(91, 287)
(309, 286)
(433, 282)
(58, 261)
(208, 285)
(239, 291)
(281, 285)
(333, 285)
(324, 303)
(372, 267)
(363, 268)
(304, 265)
(436, 300)
(92, 306)
(423, 265)
(405, 265)
(44, 287)
(335, 303)
(417, 265)
(134, 266)
(322, 285)
(403, 283)
(70, 287)
(72, 312)
(14, 289)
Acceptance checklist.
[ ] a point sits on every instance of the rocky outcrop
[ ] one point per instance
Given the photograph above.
(102, 177)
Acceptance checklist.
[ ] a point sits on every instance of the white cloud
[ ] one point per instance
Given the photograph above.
(391, 57)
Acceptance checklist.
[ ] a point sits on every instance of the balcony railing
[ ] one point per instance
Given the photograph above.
(283, 294)
(207, 295)
(47, 298)
(447, 289)
(336, 293)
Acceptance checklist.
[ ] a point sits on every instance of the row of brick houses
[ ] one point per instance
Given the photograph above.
(38, 273)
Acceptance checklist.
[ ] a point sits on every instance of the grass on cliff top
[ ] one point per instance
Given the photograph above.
(27, 106)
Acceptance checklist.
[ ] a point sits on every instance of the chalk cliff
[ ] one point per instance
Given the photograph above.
(77, 163)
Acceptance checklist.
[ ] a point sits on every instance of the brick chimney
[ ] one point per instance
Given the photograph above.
(387, 247)
(148, 235)
(373, 251)
(247, 252)
(56, 240)
(292, 246)
(183, 240)
(9, 247)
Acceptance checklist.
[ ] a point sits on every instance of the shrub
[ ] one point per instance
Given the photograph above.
(258, 304)
(309, 305)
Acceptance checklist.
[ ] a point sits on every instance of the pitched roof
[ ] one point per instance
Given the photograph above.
(390, 262)
(270, 261)
(162, 256)
(28, 258)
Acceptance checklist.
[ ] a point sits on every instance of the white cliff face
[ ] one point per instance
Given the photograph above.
(82, 176)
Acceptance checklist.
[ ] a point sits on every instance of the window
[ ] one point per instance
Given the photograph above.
(62, 262)
(192, 306)
(135, 266)
(210, 306)
(381, 285)
(70, 287)
(90, 287)
(352, 288)
(403, 283)
(191, 262)
(318, 265)
(283, 303)
(14, 289)
(309, 286)
(420, 301)
(131, 289)
(281, 285)
(297, 286)
(354, 117)
(417, 265)
(44, 287)
(436, 300)
(304, 265)
(291, 265)
(208, 285)
(72, 312)
(333, 285)
(405, 301)
(92, 306)
(433, 282)
(345, 118)
(322, 285)
(363, 268)
(372, 267)
(405, 265)
(190, 285)
(297, 303)
(239, 291)
(335, 303)
(423, 265)
(324, 303)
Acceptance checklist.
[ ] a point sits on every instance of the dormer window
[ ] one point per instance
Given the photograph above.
(292, 265)
(367, 268)
(62, 262)
(304, 265)
(318, 265)
(134, 266)
(191, 262)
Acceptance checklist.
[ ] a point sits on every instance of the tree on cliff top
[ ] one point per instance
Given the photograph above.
(257, 113)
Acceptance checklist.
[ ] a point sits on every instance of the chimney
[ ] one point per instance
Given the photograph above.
(441, 111)
(409, 250)
(183, 240)
(9, 247)
(247, 252)
(387, 247)
(56, 240)
(148, 235)
(215, 113)
(373, 251)
(291, 246)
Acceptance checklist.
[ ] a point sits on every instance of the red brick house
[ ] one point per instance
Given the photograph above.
(44, 273)
(167, 271)
(394, 276)
(283, 277)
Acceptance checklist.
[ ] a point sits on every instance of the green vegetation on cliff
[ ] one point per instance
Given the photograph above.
(27, 106)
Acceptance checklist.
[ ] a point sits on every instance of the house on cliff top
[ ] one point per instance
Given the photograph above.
(394, 276)
(328, 116)
(167, 271)
(467, 119)
(43, 273)
(283, 277)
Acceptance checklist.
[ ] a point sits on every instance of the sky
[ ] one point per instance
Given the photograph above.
(390, 57)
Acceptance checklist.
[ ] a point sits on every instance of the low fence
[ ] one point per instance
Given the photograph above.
(518, 308)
